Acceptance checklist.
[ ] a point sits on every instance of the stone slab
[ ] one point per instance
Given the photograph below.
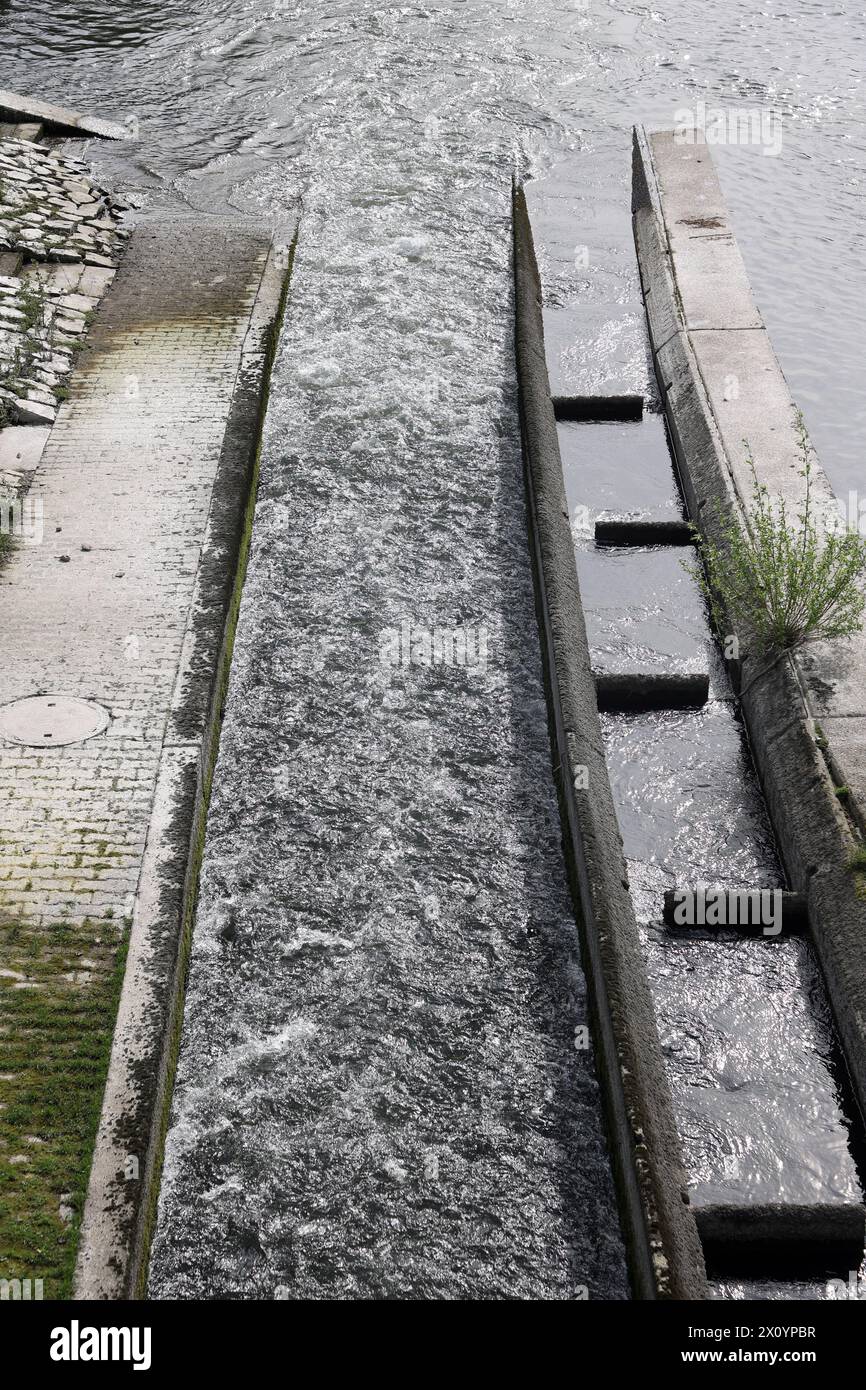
(711, 276)
(846, 737)
(16, 108)
(21, 449)
(25, 131)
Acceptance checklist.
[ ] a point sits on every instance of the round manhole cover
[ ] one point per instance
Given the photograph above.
(48, 721)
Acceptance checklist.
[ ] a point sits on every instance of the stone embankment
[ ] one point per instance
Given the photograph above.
(52, 217)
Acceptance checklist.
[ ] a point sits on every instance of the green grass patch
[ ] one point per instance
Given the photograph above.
(58, 1001)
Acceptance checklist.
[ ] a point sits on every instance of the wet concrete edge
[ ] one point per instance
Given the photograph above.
(663, 1249)
(124, 1183)
(815, 839)
(59, 120)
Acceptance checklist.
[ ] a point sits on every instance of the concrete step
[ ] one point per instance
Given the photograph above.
(634, 691)
(740, 910)
(595, 408)
(782, 1238)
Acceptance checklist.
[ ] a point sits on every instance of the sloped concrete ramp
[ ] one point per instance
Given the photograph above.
(385, 1086)
(112, 625)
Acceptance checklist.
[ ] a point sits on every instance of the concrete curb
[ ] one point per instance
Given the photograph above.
(58, 120)
(705, 330)
(124, 1178)
(663, 1249)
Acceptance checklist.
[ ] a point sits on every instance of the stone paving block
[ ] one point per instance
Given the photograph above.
(21, 449)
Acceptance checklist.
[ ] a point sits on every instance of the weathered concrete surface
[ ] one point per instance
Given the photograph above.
(664, 1252)
(380, 1091)
(16, 108)
(109, 607)
(721, 385)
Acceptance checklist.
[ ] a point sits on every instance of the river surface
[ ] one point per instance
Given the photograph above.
(258, 104)
(383, 846)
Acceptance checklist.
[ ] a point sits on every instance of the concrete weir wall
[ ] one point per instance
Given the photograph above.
(665, 1258)
(722, 385)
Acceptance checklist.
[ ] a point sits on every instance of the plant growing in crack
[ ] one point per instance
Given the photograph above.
(36, 337)
(783, 582)
(32, 302)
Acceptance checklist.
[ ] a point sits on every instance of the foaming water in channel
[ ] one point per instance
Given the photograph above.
(383, 838)
(379, 1092)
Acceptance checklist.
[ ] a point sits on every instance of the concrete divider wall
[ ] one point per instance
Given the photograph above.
(661, 1236)
(721, 385)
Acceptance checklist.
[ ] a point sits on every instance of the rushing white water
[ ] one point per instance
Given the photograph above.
(379, 1092)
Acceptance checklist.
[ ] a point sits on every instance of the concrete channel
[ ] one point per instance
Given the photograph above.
(778, 1245)
(662, 1241)
(805, 716)
(724, 397)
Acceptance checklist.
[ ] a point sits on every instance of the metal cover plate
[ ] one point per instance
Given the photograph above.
(50, 721)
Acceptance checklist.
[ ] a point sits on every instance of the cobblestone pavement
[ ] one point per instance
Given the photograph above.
(100, 608)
